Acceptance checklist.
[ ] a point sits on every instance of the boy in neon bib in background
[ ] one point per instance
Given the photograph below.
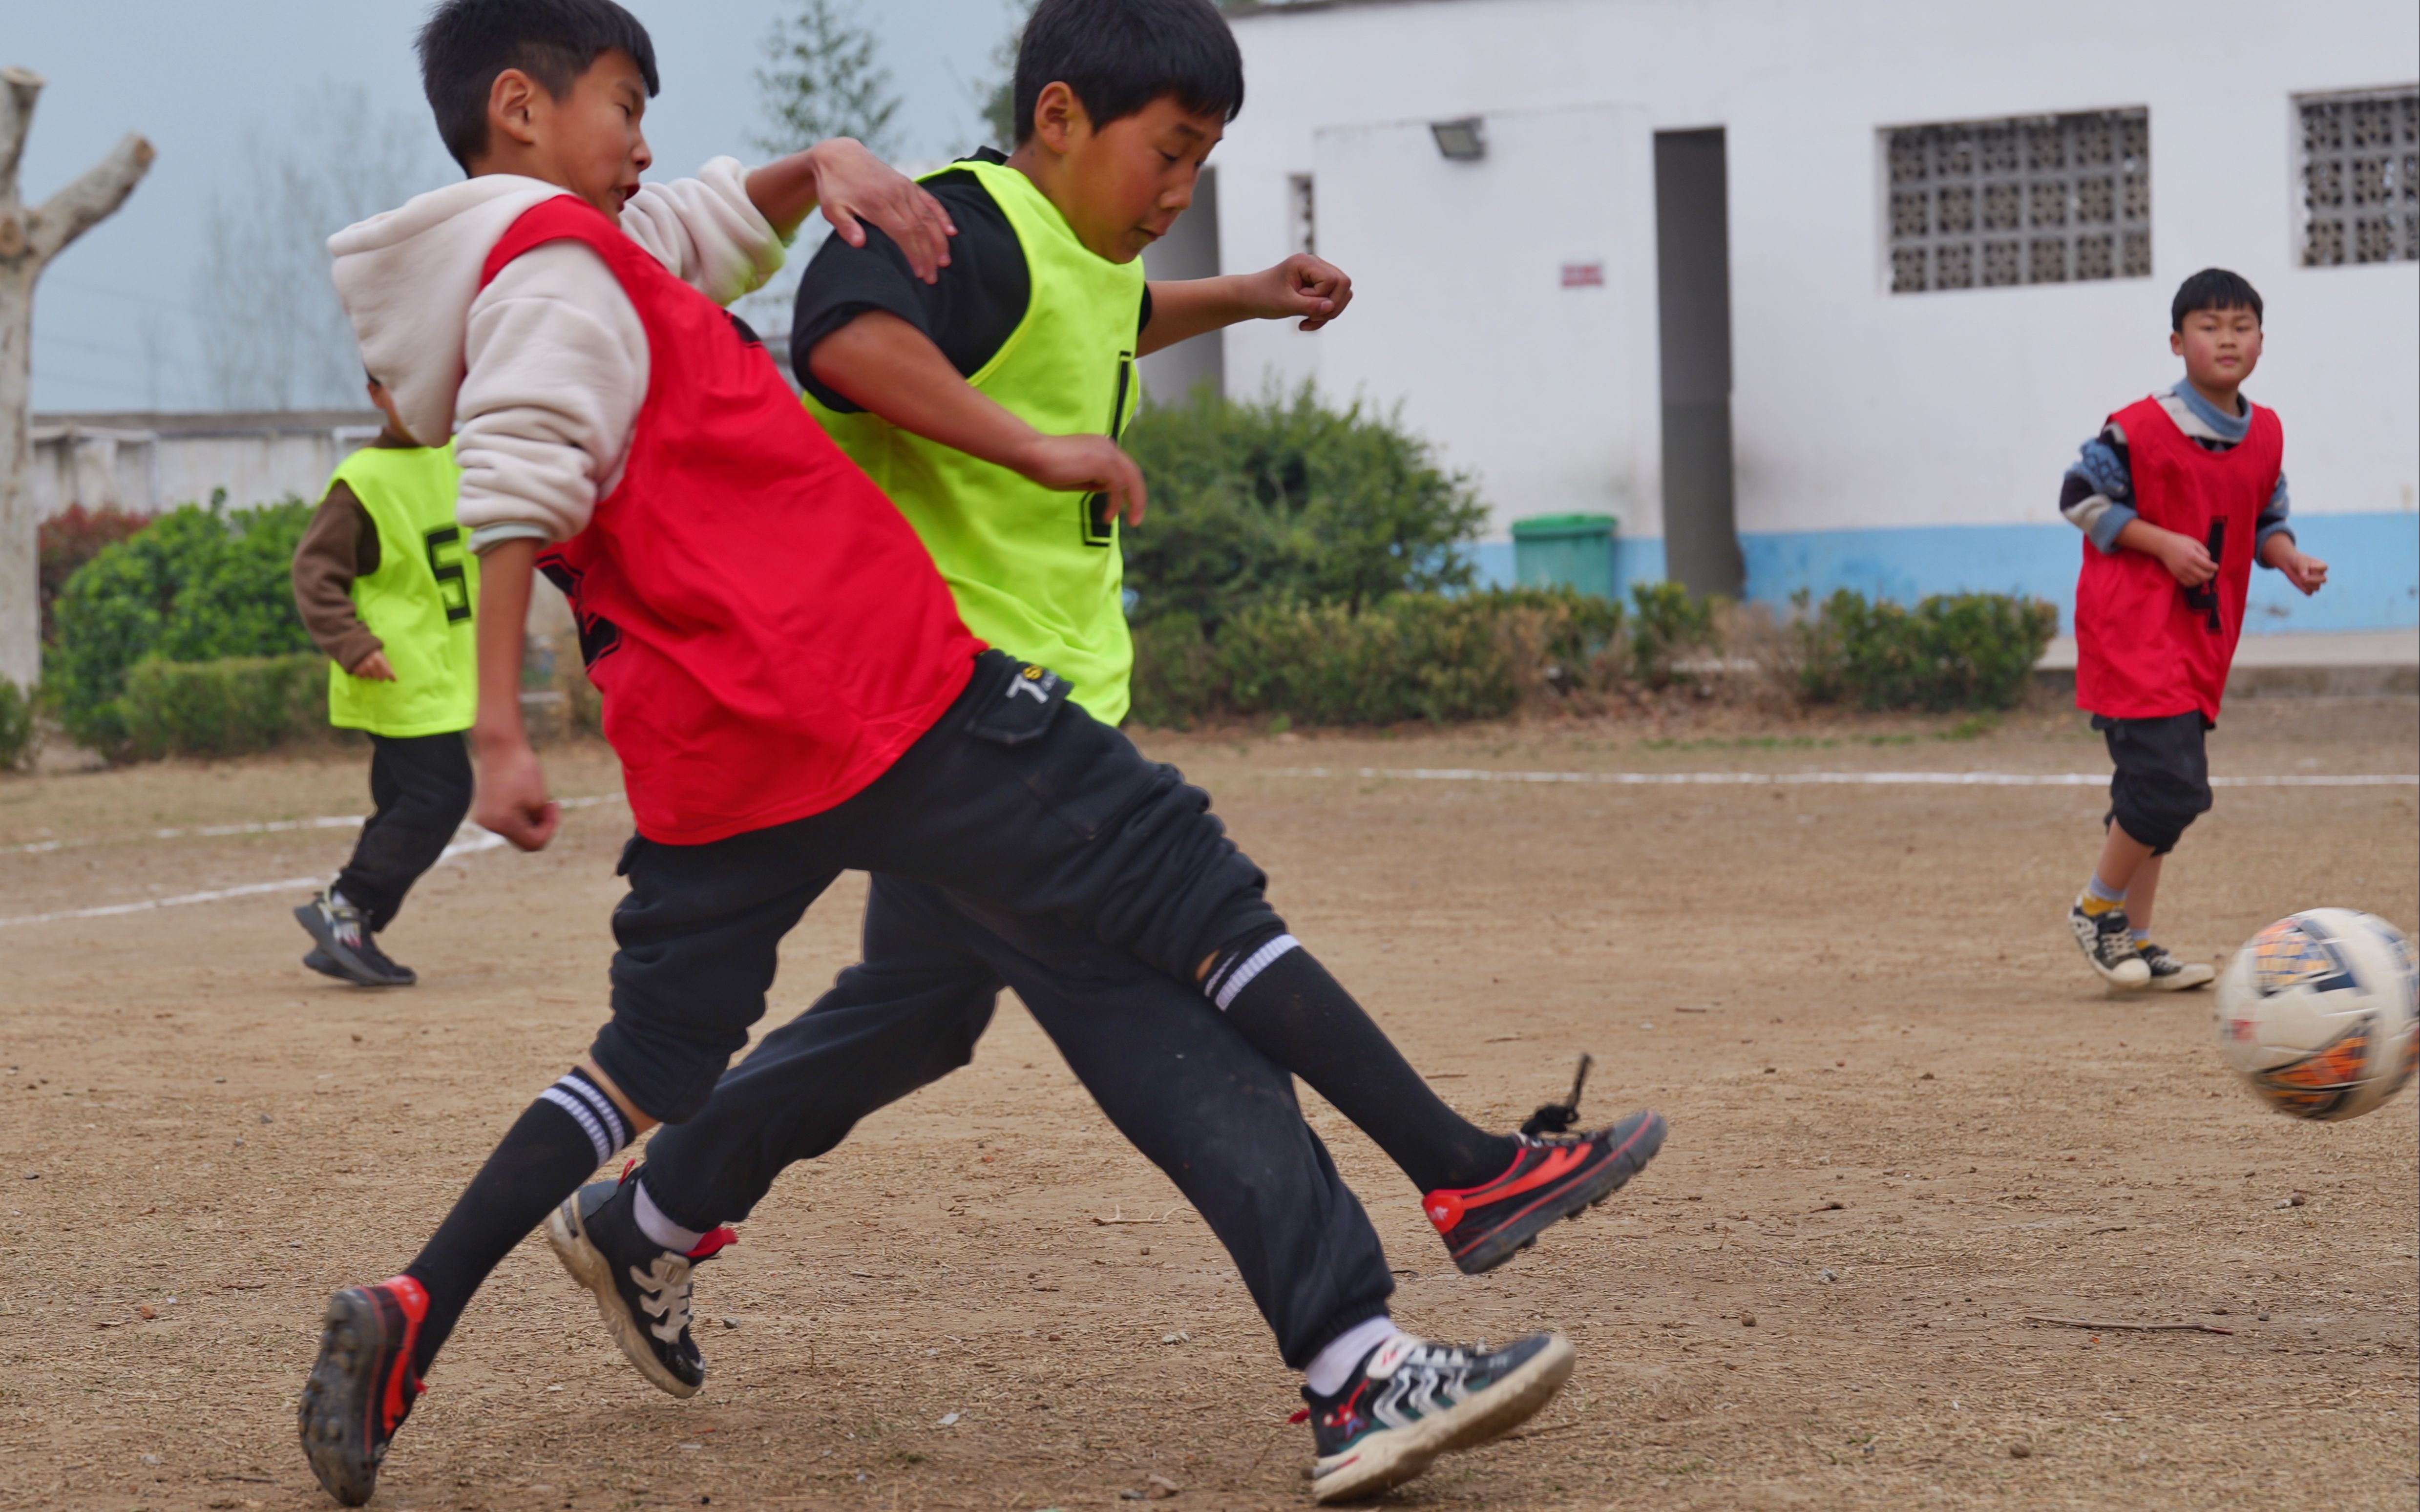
(2178, 495)
(386, 587)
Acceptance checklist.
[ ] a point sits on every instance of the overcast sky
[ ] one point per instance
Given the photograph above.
(113, 320)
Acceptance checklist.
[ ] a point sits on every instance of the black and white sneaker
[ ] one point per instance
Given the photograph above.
(2108, 943)
(346, 943)
(2171, 975)
(642, 1288)
(1411, 1400)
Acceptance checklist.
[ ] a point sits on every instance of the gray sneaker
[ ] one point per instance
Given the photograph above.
(2107, 942)
(2170, 975)
(345, 943)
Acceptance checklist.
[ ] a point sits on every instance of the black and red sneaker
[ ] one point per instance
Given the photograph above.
(363, 1386)
(642, 1288)
(1553, 1175)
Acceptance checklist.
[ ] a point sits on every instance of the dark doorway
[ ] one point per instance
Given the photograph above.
(1693, 301)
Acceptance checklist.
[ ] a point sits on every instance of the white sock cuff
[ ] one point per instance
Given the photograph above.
(1225, 988)
(653, 1224)
(1333, 1365)
(592, 1110)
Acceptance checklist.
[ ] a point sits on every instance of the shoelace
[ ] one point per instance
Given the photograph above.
(1557, 1118)
(665, 1290)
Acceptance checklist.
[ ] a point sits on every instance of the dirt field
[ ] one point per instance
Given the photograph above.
(1904, 1117)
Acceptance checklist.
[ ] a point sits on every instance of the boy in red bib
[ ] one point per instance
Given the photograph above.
(2178, 495)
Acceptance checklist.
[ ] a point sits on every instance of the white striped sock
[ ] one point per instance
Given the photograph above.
(1227, 985)
(592, 1110)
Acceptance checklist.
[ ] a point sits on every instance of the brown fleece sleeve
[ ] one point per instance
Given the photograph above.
(338, 545)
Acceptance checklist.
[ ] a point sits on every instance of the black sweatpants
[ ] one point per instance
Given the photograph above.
(2161, 782)
(421, 786)
(1169, 1071)
(1015, 799)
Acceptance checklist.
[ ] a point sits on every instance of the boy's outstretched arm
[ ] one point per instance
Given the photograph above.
(2305, 571)
(882, 365)
(850, 184)
(1302, 286)
(512, 789)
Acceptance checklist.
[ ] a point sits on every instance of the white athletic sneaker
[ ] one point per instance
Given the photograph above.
(2170, 975)
(1411, 1400)
(2107, 942)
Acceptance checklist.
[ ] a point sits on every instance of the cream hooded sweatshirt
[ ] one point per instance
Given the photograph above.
(538, 377)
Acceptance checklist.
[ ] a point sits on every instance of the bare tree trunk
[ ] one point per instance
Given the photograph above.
(29, 238)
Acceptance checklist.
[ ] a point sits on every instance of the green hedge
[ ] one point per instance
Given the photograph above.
(200, 583)
(1409, 657)
(1963, 651)
(16, 726)
(225, 708)
(1288, 501)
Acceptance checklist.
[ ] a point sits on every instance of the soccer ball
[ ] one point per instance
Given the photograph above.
(2321, 1011)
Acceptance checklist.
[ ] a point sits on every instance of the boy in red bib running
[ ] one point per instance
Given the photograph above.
(2178, 495)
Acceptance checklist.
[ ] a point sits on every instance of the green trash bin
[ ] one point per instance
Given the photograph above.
(1564, 551)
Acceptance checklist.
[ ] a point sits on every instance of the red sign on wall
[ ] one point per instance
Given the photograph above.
(1583, 275)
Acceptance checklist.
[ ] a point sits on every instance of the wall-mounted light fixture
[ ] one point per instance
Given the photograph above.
(1460, 141)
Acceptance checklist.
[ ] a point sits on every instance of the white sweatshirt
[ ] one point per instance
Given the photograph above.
(539, 376)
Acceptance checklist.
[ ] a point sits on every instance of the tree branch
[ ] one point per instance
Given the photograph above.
(18, 89)
(82, 205)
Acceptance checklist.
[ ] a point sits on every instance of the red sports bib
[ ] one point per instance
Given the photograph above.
(2147, 647)
(766, 630)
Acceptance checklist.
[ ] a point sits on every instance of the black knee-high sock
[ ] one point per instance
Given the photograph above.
(1284, 1002)
(556, 1144)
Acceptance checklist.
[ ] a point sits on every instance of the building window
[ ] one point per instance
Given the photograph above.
(2032, 199)
(1302, 227)
(2361, 177)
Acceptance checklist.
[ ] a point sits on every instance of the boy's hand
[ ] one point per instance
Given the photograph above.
(1303, 286)
(374, 668)
(512, 793)
(1087, 464)
(2187, 560)
(2305, 572)
(852, 184)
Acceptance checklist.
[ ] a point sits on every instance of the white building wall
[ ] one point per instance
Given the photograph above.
(1854, 409)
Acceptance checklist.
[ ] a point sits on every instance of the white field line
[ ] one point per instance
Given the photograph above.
(469, 840)
(1982, 780)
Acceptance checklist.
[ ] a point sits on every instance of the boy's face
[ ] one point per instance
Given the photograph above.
(2221, 347)
(1125, 183)
(589, 141)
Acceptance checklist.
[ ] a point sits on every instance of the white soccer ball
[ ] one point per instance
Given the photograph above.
(2321, 1011)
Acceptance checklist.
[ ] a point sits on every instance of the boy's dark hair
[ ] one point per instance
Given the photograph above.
(2213, 288)
(1119, 55)
(465, 43)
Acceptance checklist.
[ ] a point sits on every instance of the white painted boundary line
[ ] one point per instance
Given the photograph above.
(1982, 780)
(477, 840)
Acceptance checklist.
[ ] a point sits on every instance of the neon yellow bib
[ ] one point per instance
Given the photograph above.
(1034, 571)
(418, 603)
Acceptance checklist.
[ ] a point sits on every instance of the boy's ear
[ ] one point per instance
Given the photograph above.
(2177, 343)
(513, 103)
(1059, 117)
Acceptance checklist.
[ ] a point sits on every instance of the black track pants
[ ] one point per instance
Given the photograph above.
(1167, 1069)
(1015, 799)
(420, 786)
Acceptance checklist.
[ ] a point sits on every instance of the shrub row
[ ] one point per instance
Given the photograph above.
(16, 726)
(1483, 655)
(225, 708)
(1962, 651)
(1407, 656)
(200, 583)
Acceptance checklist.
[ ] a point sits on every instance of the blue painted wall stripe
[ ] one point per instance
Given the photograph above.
(2373, 567)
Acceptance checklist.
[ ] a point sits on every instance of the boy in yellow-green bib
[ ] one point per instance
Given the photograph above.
(987, 401)
(386, 586)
